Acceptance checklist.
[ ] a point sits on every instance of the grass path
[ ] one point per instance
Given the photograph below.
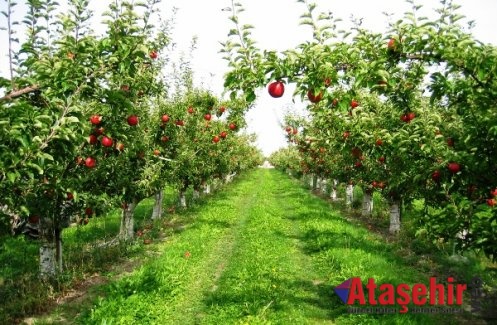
(264, 251)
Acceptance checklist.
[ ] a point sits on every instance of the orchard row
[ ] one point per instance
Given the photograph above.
(411, 113)
(88, 122)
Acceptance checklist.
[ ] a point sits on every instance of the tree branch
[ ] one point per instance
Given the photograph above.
(20, 92)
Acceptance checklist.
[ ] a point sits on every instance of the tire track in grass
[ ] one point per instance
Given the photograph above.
(269, 279)
(189, 308)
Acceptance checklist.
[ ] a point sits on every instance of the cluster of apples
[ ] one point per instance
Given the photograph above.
(106, 141)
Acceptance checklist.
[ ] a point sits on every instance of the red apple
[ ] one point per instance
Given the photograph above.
(153, 55)
(381, 159)
(156, 152)
(288, 129)
(222, 109)
(356, 152)
(454, 167)
(69, 196)
(334, 103)
(276, 89)
(411, 116)
(90, 162)
(491, 202)
(133, 120)
(379, 142)
(92, 139)
(96, 119)
(190, 110)
(327, 82)
(180, 123)
(88, 211)
(232, 126)
(164, 138)
(346, 134)
(165, 118)
(107, 142)
(207, 117)
(374, 184)
(125, 88)
(358, 164)
(391, 44)
(215, 139)
(435, 176)
(224, 134)
(450, 142)
(354, 103)
(493, 192)
(295, 131)
(314, 98)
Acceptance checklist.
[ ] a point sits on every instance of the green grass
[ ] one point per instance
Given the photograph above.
(21, 291)
(264, 251)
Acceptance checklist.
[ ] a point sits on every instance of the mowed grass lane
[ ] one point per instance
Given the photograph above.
(263, 251)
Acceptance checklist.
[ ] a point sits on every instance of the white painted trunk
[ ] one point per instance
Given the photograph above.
(394, 217)
(207, 189)
(323, 185)
(367, 204)
(333, 194)
(126, 232)
(157, 211)
(311, 181)
(314, 182)
(349, 194)
(48, 260)
(182, 199)
(196, 194)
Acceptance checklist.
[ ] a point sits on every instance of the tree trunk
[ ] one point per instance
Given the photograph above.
(196, 194)
(182, 199)
(157, 211)
(207, 189)
(367, 204)
(48, 248)
(349, 194)
(333, 193)
(48, 264)
(58, 248)
(323, 185)
(126, 232)
(394, 216)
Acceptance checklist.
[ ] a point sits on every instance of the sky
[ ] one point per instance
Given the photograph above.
(276, 28)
